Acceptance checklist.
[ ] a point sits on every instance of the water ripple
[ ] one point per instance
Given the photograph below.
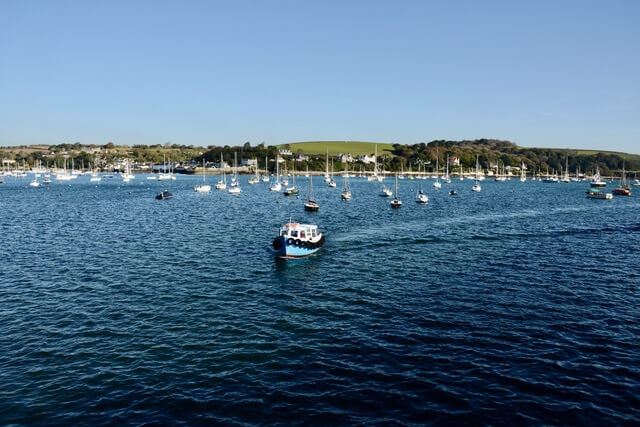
(517, 305)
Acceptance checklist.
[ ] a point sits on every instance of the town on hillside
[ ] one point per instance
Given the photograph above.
(493, 156)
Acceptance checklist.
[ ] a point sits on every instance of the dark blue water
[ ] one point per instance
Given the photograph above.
(520, 304)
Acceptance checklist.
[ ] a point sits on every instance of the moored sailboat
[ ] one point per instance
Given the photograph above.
(437, 184)
(222, 182)
(623, 188)
(346, 190)
(235, 183)
(276, 186)
(421, 197)
(476, 185)
(332, 182)
(311, 204)
(292, 190)
(396, 202)
(204, 187)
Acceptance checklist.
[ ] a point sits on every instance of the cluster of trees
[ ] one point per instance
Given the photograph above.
(507, 153)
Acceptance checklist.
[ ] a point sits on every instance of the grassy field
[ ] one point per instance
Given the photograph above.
(337, 147)
(626, 156)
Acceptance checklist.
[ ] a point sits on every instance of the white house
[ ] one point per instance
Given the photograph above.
(249, 162)
(363, 158)
(345, 158)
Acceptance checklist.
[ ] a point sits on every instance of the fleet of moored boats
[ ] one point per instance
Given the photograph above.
(300, 240)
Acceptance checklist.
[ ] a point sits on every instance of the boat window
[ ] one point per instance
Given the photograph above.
(302, 234)
(294, 233)
(313, 233)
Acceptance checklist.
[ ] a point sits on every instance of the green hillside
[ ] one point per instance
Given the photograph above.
(627, 156)
(337, 147)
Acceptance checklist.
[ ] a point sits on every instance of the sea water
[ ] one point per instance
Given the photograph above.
(518, 304)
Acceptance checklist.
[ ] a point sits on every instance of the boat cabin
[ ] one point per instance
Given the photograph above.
(299, 231)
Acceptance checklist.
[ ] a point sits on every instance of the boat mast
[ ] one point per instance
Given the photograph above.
(326, 173)
(375, 161)
(437, 166)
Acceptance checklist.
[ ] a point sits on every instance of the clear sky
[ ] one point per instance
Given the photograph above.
(540, 73)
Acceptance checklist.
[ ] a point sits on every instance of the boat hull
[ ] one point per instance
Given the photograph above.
(311, 207)
(289, 248)
(622, 192)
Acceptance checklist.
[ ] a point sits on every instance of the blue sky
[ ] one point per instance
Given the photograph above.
(544, 73)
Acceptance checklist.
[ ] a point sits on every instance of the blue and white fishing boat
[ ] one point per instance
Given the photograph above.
(298, 240)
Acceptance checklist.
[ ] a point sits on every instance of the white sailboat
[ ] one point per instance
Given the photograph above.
(476, 186)
(127, 175)
(276, 186)
(235, 183)
(234, 178)
(222, 183)
(292, 190)
(204, 187)
(95, 177)
(523, 173)
(346, 190)
(385, 191)
(327, 178)
(164, 175)
(256, 178)
(447, 179)
(396, 202)
(332, 183)
(311, 204)
(437, 184)
(63, 175)
(421, 198)
(375, 176)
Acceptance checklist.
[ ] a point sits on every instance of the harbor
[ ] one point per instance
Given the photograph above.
(135, 295)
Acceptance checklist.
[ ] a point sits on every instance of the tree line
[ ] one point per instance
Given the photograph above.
(401, 157)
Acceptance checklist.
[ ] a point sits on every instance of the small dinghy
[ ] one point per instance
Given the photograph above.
(165, 195)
